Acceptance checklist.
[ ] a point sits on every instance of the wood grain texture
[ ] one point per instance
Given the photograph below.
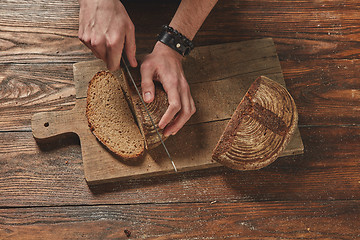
(206, 220)
(301, 29)
(318, 46)
(326, 92)
(328, 170)
(28, 89)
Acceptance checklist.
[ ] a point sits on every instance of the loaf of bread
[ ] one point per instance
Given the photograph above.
(260, 128)
(156, 108)
(110, 118)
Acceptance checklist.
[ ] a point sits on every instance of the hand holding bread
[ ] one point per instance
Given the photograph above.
(164, 65)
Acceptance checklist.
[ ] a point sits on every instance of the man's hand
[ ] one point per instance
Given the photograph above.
(105, 27)
(164, 65)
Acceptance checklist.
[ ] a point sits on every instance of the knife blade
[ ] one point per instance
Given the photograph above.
(148, 113)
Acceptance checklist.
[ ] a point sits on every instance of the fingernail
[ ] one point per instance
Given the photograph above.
(147, 96)
(174, 133)
(162, 124)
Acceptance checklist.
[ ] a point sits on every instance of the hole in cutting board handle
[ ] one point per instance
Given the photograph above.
(46, 124)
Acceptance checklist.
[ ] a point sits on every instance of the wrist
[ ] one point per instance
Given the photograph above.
(175, 40)
(184, 31)
(164, 49)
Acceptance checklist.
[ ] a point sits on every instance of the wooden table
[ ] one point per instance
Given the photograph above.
(43, 194)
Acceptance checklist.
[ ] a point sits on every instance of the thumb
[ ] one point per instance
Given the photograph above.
(147, 83)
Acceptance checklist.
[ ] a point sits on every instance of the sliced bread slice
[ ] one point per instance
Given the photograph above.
(156, 108)
(260, 128)
(110, 118)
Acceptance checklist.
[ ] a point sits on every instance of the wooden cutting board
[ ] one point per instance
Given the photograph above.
(219, 76)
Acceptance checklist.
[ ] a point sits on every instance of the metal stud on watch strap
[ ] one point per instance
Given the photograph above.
(175, 40)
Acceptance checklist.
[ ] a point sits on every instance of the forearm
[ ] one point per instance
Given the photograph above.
(165, 65)
(190, 16)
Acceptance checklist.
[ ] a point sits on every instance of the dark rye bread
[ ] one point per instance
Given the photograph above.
(260, 128)
(156, 108)
(110, 118)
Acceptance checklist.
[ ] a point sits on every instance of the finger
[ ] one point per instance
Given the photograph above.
(187, 110)
(173, 109)
(88, 45)
(130, 46)
(114, 49)
(98, 47)
(147, 83)
(81, 24)
(85, 38)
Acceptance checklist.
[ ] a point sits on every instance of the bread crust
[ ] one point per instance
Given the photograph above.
(260, 128)
(90, 113)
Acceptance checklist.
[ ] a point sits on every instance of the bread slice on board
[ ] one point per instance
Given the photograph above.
(260, 128)
(110, 118)
(156, 108)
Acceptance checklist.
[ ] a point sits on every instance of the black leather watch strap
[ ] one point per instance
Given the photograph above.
(175, 40)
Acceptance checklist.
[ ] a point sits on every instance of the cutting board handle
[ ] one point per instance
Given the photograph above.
(50, 124)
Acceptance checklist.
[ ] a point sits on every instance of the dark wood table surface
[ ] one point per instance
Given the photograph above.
(43, 194)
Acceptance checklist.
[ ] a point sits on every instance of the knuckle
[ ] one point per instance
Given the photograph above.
(112, 42)
(145, 65)
(173, 80)
(146, 85)
(186, 87)
(187, 111)
(184, 84)
(85, 38)
(81, 33)
(95, 42)
(193, 110)
(175, 105)
(131, 27)
(122, 24)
